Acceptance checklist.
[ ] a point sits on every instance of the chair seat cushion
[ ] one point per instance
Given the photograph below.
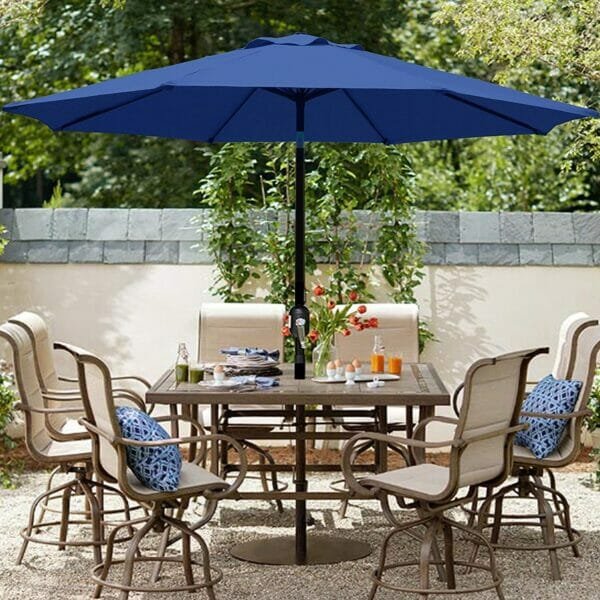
(419, 481)
(550, 396)
(193, 481)
(158, 468)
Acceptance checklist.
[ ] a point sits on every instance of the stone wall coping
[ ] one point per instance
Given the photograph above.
(175, 236)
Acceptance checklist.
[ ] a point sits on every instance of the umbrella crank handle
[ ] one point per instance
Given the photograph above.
(299, 320)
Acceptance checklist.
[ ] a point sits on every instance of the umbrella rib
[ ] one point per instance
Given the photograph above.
(226, 122)
(491, 111)
(110, 109)
(360, 109)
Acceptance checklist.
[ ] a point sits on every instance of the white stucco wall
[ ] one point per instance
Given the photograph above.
(135, 315)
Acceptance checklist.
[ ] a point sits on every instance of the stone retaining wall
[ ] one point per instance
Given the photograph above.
(168, 236)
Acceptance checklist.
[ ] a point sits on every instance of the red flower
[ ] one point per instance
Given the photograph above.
(313, 336)
(353, 296)
(353, 320)
(359, 326)
(346, 332)
(374, 322)
(318, 290)
(285, 330)
(362, 309)
(331, 304)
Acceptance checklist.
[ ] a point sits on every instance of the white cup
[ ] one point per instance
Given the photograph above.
(340, 372)
(350, 376)
(219, 377)
(331, 373)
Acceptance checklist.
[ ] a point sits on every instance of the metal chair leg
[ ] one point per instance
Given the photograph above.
(548, 534)
(130, 555)
(26, 533)
(449, 556)
(53, 473)
(64, 517)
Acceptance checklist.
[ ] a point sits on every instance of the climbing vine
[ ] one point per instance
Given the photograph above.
(251, 191)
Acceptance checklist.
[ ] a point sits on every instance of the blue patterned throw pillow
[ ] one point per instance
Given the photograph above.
(158, 468)
(550, 396)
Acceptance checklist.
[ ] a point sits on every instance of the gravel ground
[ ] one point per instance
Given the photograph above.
(48, 573)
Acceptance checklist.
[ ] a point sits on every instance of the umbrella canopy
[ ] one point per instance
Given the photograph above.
(303, 88)
(350, 95)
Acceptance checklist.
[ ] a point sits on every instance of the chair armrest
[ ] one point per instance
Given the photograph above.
(133, 378)
(56, 398)
(120, 441)
(422, 425)
(56, 392)
(47, 411)
(492, 434)
(68, 379)
(392, 440)
(215, 437)
(585, 412)
(133, 398)
(455, 396)
(196, 424)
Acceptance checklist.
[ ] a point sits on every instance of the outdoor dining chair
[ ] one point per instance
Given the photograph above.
(564, 358)
(480, 452)
(61, 388)
(243, 325)
(72, 456)
(110, 457)
(399, 326)
(552, 509)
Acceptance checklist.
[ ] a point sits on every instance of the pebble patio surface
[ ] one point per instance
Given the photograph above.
(50, 574)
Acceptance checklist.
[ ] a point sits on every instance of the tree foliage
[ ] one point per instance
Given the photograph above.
(547, 47)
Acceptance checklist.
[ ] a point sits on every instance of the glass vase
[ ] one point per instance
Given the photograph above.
(323, 352)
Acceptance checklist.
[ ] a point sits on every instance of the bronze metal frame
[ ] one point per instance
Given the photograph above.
(552, 510)
(159, 503)
(76, 462)
(291, 401)
(431, 507)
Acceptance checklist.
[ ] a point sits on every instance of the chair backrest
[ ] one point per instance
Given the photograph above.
(98, 402)
(399, 326)
(570, 329)
(43, 354)
(493, 394)
(30, 393)
(238, 324)
(584, 368)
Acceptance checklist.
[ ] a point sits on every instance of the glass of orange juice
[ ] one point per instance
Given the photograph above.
(395, 363)
(378, 356)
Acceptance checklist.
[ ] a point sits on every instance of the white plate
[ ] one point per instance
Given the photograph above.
(381, 376)
(359, 378)
(327, 380)
(227, 383)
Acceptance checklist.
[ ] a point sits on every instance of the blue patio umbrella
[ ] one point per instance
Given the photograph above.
(299, 88)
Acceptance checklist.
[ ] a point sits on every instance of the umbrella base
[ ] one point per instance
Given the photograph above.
(321, 550)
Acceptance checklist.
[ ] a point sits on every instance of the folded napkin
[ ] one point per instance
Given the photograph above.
(251, 352)
(261, 382)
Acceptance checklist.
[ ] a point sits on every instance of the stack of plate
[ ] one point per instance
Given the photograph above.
(249, 365)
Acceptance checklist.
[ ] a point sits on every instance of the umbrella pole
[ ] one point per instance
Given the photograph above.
(299, 313)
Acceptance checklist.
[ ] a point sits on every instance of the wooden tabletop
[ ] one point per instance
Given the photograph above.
(419, 385)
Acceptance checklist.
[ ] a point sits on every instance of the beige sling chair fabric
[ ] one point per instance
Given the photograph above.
(480, 452)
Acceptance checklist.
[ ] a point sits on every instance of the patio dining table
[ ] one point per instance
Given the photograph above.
(295, 401)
